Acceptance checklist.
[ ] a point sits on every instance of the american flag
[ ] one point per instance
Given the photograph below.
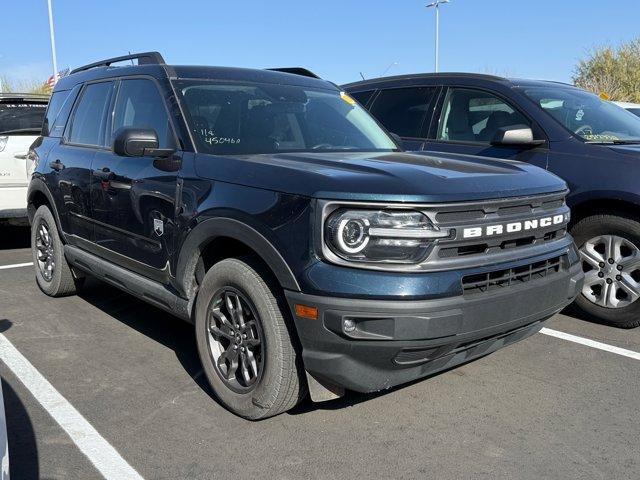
(52, 81)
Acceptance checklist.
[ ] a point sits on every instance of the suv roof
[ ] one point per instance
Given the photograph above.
(449, 76)
(152, 63)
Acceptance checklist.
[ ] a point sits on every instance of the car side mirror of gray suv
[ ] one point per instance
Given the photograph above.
(516, 135)
(138, 142)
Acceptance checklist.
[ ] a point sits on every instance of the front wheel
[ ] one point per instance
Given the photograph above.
(609, 248)
(244, 341)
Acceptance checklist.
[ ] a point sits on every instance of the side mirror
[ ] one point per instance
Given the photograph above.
(138, 142)
(517, 135)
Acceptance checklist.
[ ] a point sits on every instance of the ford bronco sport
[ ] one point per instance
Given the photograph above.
(272, 211)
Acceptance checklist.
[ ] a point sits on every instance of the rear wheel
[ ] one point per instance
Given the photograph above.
(609, 248)
(53, 273)
(244, 341)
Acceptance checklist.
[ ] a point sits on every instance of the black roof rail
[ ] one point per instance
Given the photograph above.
(296, 71)
(145, 58)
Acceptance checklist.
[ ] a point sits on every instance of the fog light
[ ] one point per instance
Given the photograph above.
(348, 325)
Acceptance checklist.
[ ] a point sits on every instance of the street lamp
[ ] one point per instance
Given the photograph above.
(53, 44)
(436, 5)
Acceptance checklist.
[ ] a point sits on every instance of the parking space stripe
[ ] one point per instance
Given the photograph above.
(16, 265)
(591, 343)
(100, 452)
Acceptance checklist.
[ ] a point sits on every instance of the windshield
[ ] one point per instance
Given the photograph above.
(21, 117)
(242, 119)
(586, 115)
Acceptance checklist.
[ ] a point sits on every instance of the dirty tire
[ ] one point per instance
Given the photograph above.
(280, 384)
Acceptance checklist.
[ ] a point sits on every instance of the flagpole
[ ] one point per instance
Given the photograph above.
(53, 45)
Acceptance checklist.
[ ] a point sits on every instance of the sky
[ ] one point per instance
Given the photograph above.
(338, 40)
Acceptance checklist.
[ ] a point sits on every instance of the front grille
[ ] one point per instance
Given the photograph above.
(497, 212)
(485, 248)
(504, 278)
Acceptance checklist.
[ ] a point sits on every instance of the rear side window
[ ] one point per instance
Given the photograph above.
(140, 105)
(88, 123)
(58, 112)
(363, 97)
(403, 110)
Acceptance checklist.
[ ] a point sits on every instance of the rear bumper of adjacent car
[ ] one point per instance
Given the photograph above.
(369, 345)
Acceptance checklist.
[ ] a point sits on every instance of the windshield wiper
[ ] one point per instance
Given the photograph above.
(631, 141)
(21, 130)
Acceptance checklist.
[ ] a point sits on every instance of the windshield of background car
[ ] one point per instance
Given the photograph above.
(243, 119)
(586, 115)
(21, 117)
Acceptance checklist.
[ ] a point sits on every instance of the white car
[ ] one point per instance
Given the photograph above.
(632, 107)
(21, 117)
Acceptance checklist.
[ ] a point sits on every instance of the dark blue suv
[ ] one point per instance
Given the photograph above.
(592, 144)
(271, 210)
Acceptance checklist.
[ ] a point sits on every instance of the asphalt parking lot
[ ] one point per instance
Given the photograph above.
(543, 408)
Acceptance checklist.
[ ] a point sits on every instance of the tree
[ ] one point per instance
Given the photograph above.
(612, 71)
(25, 86)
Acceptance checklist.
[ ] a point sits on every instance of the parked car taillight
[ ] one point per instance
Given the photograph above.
(3, 142)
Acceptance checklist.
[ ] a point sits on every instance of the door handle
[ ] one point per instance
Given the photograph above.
(105, 174)
(20, 156)
(57, 165)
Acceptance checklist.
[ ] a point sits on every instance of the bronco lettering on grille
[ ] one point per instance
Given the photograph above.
(514, 227)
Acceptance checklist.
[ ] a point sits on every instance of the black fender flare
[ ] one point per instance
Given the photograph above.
(212, 228)
(38, 185)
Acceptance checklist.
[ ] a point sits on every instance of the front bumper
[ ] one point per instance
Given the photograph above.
(398, 341)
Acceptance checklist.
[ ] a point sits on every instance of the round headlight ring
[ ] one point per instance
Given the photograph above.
(350, 227)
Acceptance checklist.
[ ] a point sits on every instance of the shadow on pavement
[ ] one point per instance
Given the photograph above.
(21, 437)
(23, 451)
(165, 328)
(14, 237)
(179, 336)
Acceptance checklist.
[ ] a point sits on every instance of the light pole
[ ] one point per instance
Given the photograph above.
(436, 5)
(53, 45)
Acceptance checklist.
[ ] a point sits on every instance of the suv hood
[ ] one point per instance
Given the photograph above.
(406, 177)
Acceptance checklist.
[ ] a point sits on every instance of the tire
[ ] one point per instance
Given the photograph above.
(58, 281)
(592, 234)
(278, 381)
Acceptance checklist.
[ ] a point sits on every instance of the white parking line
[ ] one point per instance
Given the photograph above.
(591, 343)
(100, 452)
(16, 265)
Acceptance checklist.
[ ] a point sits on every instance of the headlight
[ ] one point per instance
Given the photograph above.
(380, 236)
(3, 142)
